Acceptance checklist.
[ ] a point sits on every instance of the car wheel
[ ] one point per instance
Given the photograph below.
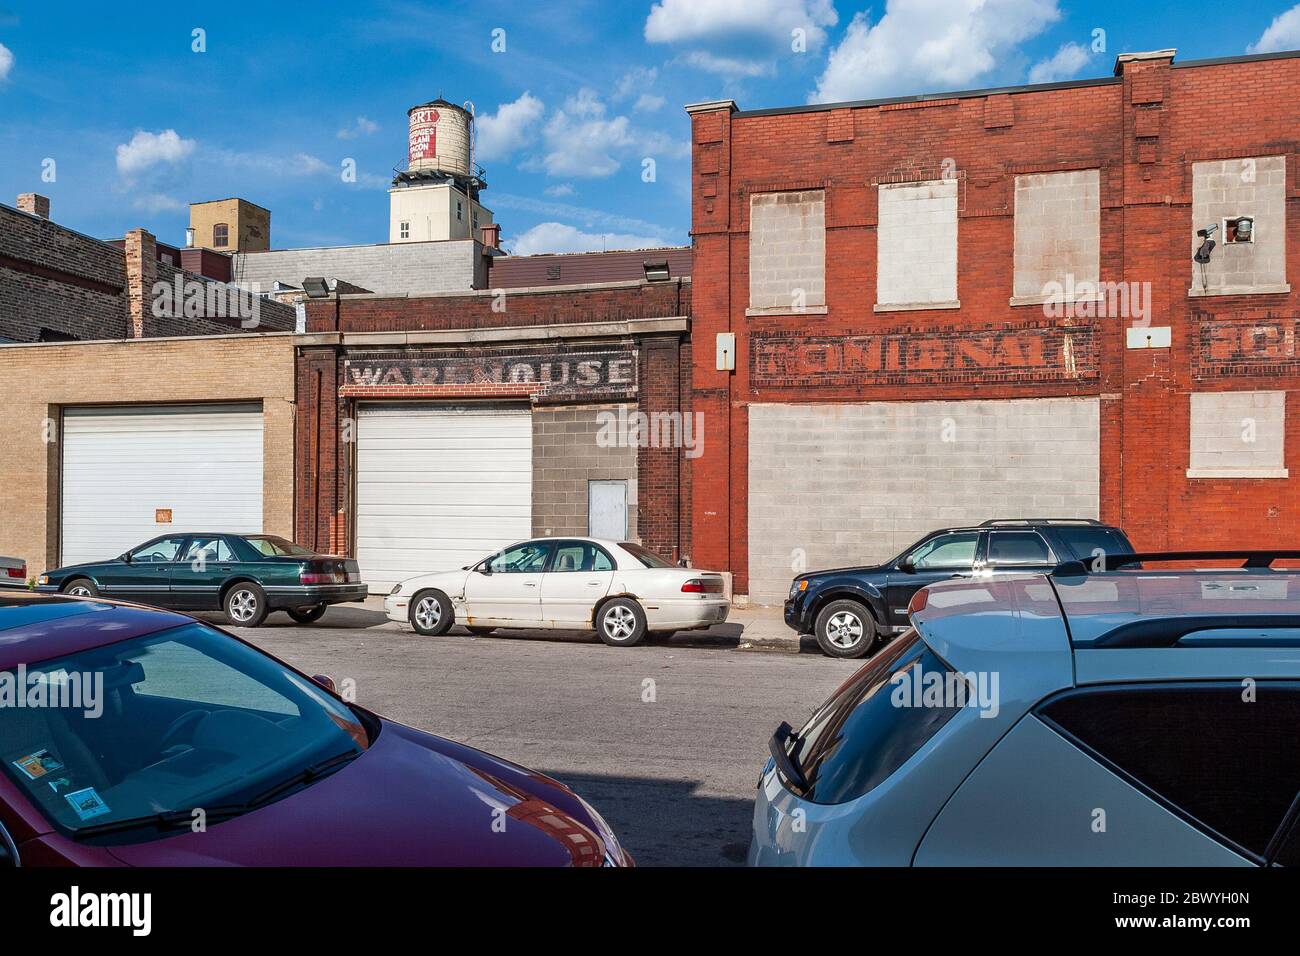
(621, 623)
(81, 587)
(307, 615)
(245, 604)
(431, 613)
(480, 631)
(846, 629)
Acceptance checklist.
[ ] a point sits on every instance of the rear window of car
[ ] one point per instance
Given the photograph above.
(1090, 541)
(273, 547)
(1223, 755)
(874, 722)
(648, 558)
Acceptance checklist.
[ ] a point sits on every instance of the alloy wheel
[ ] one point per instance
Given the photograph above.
(844, 629)
(428, 613)
(619, 623)
(243, 605)
(80, 591)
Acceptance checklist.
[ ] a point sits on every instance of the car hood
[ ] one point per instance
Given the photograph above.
(85, 566)
(443, 580)
(411, 799)
(856, 569)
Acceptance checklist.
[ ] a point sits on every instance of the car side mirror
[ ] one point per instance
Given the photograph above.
(907, 565)
(325, 681)
(125, 558)
(486, 569)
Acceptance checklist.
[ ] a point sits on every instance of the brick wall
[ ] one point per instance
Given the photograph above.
(481, 310)
(1140, 135)
(55, 279)
(38, 381)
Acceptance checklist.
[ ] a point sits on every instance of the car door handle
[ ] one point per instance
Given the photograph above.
(225, 569)
(593, 584)
(530, 584)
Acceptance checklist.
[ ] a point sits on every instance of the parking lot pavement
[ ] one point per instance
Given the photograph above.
(665, 739)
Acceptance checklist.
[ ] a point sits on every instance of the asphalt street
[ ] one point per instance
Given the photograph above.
(666, 740)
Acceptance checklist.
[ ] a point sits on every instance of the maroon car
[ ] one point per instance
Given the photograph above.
(139, 737)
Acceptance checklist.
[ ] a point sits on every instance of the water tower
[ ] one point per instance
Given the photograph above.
(436, 197)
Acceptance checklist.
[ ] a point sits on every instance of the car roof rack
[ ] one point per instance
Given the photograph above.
(1111, 562)
(1012, 522)
(1169, 631)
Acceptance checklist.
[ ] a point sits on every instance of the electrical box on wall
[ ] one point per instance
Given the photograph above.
(726, 351)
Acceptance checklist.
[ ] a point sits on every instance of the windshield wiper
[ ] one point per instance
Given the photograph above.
(164, 820)
(784, 762)
(306, 775)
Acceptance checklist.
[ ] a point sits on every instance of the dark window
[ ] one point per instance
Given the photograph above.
(221, 235)
(1231, 764)
(527, 558)
(1086, 540)
(1017, 547)
(947, 551)
(164, 549)
(875, 723)
(648, 558)
(55, 335)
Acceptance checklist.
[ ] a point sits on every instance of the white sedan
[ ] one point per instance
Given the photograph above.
(619, 588)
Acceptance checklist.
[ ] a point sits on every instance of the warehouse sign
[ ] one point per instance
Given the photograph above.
(587, 374)
(1246, 346)
(1047, 352)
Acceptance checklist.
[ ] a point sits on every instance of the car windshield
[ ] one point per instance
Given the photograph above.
(273, 547)
(165, 724)
(648, 558)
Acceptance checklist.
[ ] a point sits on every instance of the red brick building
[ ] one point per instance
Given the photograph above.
(953, 307)
(434, 428)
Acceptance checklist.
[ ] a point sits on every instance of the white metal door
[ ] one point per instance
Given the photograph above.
(607, 509)
(128, 470)
(439, 487)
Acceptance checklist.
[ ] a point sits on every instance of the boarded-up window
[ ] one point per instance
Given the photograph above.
(1224, 192)
(787, 251)
(1058, 236)
(916, 243)
(1238, 435)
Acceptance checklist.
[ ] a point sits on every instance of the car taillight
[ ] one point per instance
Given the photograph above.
(18, 572)
(703, 586)
(322, 577)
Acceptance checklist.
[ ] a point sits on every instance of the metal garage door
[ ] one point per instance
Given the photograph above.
(439, 486)
(125, 467)
(842, 484)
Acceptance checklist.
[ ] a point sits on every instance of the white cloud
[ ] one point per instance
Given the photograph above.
(678, 21)
(6, 61)
(731, 67)
(287, 164)
(581, 141)
(589, 217)
(158, 202)
(929, 45)
(362, 127)
(559, 189)
(636, 80)
(1282, 34)
(505, 131)
(151, 149)
(1064, 64)
(648, 103)
(558, 237)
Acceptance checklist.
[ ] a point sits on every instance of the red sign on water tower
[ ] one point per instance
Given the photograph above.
(422, 142)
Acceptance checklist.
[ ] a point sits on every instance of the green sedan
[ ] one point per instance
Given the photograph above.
(246, 576)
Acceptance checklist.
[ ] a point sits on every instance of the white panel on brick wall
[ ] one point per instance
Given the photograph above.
(439, 487)
(836, 485)
(122, 466)
(916, 244)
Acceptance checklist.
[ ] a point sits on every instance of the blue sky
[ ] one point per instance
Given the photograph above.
(138, 124)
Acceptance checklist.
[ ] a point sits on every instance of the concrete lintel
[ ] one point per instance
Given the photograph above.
(527, 333)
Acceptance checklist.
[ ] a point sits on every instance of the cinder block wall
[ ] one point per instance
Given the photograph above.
(836, 485)
(39, 380)
(451, 266)
(566, 456)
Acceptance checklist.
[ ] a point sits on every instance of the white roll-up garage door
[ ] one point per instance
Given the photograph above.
(439, 487)
(126, 467)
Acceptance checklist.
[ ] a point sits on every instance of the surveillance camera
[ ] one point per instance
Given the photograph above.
(1208, 231)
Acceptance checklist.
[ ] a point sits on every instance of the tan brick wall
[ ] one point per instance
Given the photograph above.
(567, 455)
(37, 381)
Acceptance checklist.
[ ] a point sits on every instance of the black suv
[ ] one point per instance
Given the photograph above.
(850, 610)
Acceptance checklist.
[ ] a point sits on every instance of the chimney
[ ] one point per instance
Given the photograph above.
(491, 235)
(141, 273)
(35, 204)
